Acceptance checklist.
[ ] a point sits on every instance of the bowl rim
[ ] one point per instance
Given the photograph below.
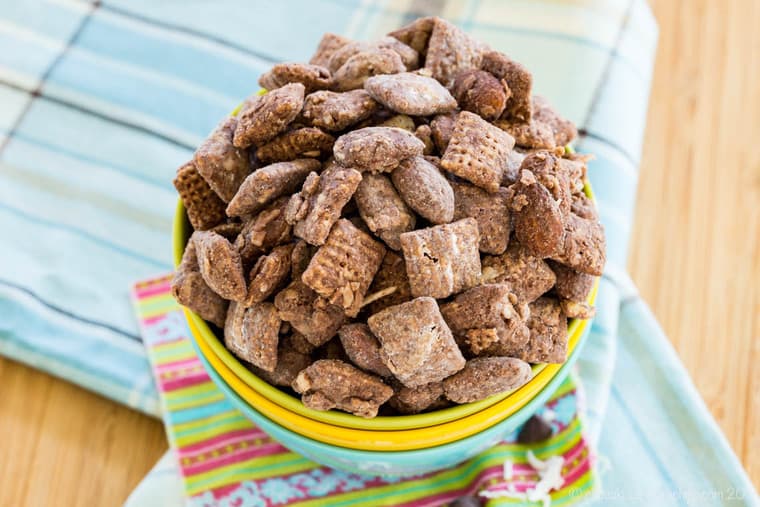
(237, 395)
(180, 235)
(406, 439)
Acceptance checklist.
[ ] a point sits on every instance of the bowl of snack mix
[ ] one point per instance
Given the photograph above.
(394, 238)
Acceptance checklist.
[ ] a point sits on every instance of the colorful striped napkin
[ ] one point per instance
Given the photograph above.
(225, 460)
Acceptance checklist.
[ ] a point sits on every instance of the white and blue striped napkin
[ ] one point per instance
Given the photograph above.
(100, 102)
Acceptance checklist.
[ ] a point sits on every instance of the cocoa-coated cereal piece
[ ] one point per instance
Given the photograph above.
(268, 183)
(411, 94)
(408, 400)
(546, 130)
(442, 260)
(564, 130)
(548, 333)
(303, 142)
(317, 207)
(336, 111)
(518, 79)
(491, 210)
(190, 289)
(289, 364)
(546, 166)
(222, 165)
(269, 274)
(535, 430)
(537, 217)
(532, 135)
(229, 230)
(425, 134)
(383, 210)
(312, 77)
(512, 169)
(584, 246)
(577, 309)
(466, 501)
(584, 207)
(333, 349)
(264, 231)
(486, 376)
(203, 206)
(416, 34)
(328, 45)
(401, 121)
(576, 171)
(571, 284)
(528, 276)
(484, 306)
(390, 286)
(479, 92)
(441, 127)
(409, 56)
(330, 384)
(252, 333)
(312, 316)
(343, 268)
(474, 341)
(416, 344)
(220, 265)
(362, 348)
(477, 151)
(450, 51)
(506, 339)
(423, 187)
(376, 149)
(343, 54)
(361, 66)
(295, 341)
(264, 117)
(299, 259)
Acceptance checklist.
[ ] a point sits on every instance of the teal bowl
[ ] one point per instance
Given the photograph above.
(395, 463)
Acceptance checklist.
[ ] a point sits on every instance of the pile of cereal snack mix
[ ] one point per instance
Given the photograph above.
(396, 225)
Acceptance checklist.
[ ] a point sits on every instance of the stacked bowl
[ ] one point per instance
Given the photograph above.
(385, 445)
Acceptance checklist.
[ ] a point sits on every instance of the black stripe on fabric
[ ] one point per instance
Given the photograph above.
(609, 143)
(607, 71)
(102, 116)
(190, 31)
(46, 74)
(70, 315)
(584, 132)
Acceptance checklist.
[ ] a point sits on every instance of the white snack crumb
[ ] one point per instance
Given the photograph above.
(503, 493)
(548, 415)
(508, 471)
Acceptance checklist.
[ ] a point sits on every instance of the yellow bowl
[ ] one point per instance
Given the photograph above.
(373, 440)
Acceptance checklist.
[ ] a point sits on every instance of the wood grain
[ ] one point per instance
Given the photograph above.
(696, 242)
(695, 256)
(62, 445)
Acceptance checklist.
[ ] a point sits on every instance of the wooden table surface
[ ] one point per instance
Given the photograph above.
(695, 256)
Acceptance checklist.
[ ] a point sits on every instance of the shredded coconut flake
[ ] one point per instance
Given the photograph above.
(503, 493)
(508, 471)
(550, 478)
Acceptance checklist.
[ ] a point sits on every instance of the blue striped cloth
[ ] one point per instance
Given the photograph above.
(101, 101)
